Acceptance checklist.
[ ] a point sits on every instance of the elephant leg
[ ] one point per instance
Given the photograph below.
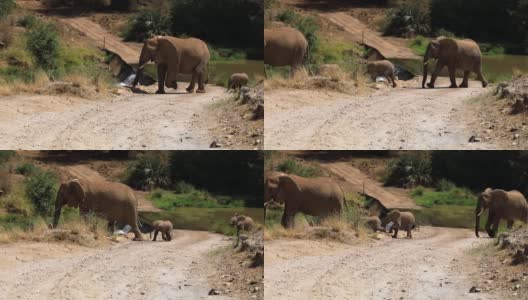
(481, 78)
(495, 228)
(162, 72)
(452, 77)
(201, 81)
(510, 224)
(155, 235)
(465, 82)
(491, 216)
(169, 236)
(288, 220)
(395, 235)
(409, 234)
(137, 234)
(393, 81)
(111, 226)
(164, 236)
(438, 69)
(194, 77)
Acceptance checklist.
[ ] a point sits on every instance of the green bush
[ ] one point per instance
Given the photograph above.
(146, 24)
(26, 169)
(5, 155)
(444, 32)
(308, 26)
(411, 169)
(418, 191)
(148, 172)
(41, 189)
(444, 185)
(6, 6)
(28, 21)
(182, 187)
(409, 18)
(290, 166)
(43, 43)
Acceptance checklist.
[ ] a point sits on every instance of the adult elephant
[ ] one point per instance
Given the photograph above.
(455, 54)
(320, 197)
(509, 205)
(285, 46)
(114, 201)
(172, 56)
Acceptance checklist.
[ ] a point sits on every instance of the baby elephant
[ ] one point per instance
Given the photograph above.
(166, 230)
(237, 80)
(401, 221)
(382, 68)
(373, 223)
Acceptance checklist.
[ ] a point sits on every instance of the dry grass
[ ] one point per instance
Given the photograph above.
(15, 201)
(20, 87)
(6, 34)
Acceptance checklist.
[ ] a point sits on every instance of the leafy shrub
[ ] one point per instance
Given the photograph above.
(410, 18)
(444, 32)
(418, 191)
(41, 189)
(26, 169)
(308, 26)
(444, 185)
(182, 187)
(6, 6)
(146, 24)
(409, 170)
(290, 166)
(5, 155)
(28, 21)
(148, 172)
(43, 43)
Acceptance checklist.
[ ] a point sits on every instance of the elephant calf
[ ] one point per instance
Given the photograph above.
(401, 220)
(166, 230)
(373, 223)
(242, 222)
(382, 68)
(237, 80)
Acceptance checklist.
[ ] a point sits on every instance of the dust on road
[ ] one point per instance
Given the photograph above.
(409, 118)
(430, 266)
(131, 121)
(127, 270)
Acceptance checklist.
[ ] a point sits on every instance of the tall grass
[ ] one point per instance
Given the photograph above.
(291, 166)
(167, 200)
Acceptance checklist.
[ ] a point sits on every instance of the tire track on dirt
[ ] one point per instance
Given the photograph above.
(430, 266)
(171, 121)
(405, 118)
(128, 270)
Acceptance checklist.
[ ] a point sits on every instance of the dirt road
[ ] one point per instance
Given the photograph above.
(131, 121)
(430, 266)
(409, 118)
(127, 270)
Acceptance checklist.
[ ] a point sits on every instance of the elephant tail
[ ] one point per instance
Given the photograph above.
(207, 73)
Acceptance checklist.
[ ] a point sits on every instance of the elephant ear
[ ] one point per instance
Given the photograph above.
(287, 181)
(395, 215)
(152, 44)
(77, 194)
(449, 46)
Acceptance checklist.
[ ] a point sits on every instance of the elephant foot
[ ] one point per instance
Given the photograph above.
(484, 84)
(430, 85)
(463, 85)
(159, 91)
(138, 239)
(190, 90)
(453, 86)
(200, 91)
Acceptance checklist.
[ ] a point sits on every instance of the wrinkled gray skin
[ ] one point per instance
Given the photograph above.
(241, 223)
(285, 46)
(501, 204)
(402, 221)
(114, 201)
(172, 56)
(373, 223)
(165, 227)
(320, 197)
(382, 68)
(237, 81)
(455, 54)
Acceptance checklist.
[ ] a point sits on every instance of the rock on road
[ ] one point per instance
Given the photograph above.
(430, 266)
(128, 270)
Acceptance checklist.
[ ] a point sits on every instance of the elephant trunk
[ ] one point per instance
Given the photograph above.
(478, 212)
(56, 216)
(425, 67)
(143, 60)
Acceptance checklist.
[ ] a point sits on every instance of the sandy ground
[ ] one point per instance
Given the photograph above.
(126, 270)
(429, 266)
(407, 117)
(130, 121)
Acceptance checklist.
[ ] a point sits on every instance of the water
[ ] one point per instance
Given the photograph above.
(128, 80)
(192, 218)
(495, 66)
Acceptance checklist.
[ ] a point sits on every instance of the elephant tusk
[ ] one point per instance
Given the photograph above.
(480, 213)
